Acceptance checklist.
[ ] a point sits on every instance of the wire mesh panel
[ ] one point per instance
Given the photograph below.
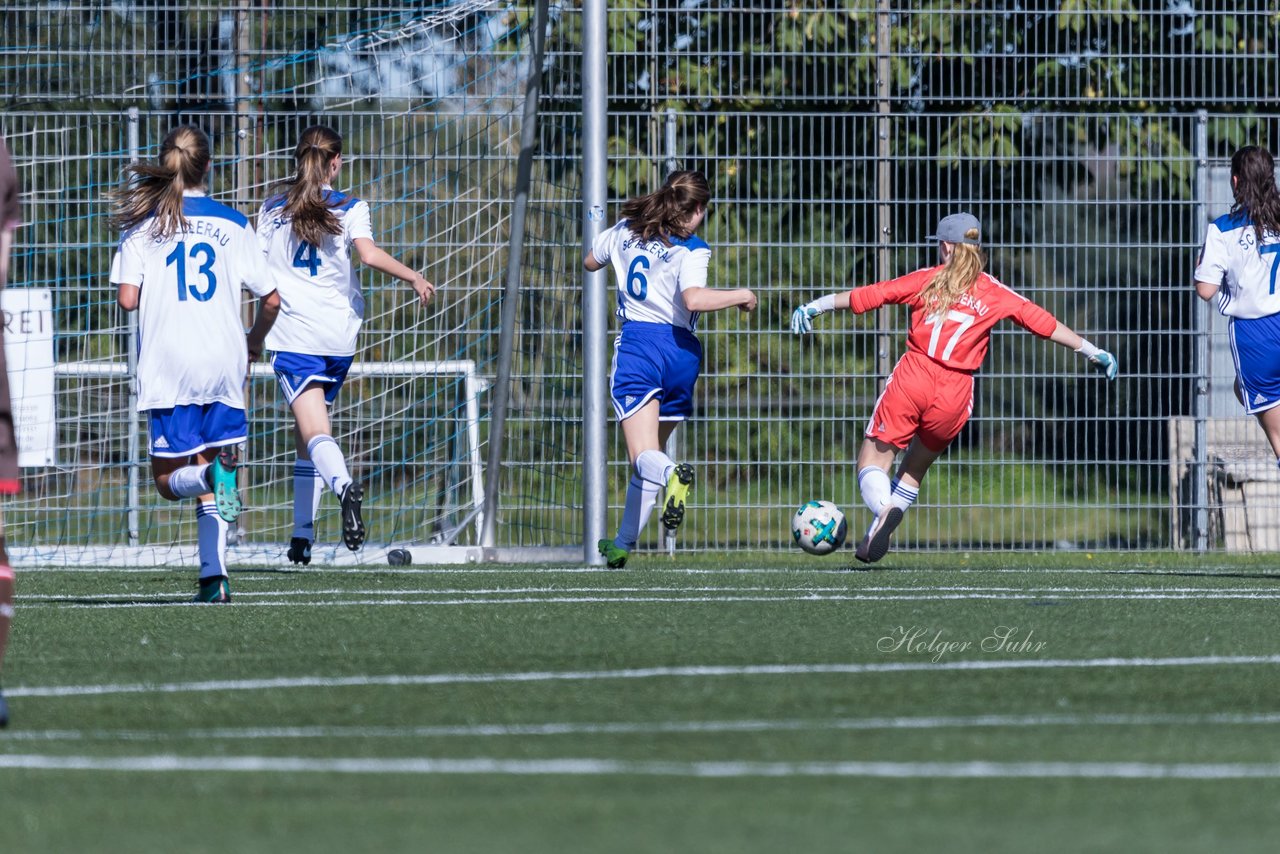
(836, 136)
(1089, 138)
(428, 99)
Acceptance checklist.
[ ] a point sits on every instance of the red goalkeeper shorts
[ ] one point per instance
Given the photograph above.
(922, 400)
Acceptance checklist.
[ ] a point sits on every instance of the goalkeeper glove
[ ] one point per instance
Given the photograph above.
(802, 317)
(1100, 359)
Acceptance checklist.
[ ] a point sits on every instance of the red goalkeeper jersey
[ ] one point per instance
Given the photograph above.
(959, 338)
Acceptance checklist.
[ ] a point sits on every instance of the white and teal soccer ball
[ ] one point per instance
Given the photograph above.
(819, 527)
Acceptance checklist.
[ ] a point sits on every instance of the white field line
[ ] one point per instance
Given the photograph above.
(689, 671)
(242, 593)
(844, 571)
(653, 728)
(613, 767)
(183, 602)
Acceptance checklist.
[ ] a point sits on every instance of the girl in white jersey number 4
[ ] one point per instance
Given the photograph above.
(308, 233)
(661, 267)
(182, 262)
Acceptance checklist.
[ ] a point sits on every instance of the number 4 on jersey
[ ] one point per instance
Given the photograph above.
(307, 257)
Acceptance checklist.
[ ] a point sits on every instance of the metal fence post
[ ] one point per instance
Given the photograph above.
(131, 137)
(595, 497)
(1200, 410)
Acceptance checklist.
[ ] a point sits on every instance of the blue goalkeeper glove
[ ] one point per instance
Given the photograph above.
(1100, 359)
(802, 317)
(1106, 363)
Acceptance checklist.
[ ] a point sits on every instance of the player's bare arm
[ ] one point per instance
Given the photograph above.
(268, 311)
(1206, 290)
(127, 296)
(378, 258)
(712, 299)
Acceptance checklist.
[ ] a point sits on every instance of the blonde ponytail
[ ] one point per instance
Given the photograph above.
(966, 263)
(157, 188)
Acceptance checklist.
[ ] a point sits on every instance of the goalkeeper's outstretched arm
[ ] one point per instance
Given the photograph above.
(802, 317)
(1099, 358)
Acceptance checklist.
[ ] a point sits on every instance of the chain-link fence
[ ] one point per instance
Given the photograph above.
(1089, 137)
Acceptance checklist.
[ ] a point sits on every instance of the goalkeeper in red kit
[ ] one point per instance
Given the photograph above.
(929, 395)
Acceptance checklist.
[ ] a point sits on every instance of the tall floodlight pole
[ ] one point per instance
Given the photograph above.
(594, 317)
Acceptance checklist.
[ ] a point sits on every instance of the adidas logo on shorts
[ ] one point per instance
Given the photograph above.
(162, 442)
(631, 398)
(1259, 399)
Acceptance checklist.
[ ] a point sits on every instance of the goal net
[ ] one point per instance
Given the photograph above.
(430, 102)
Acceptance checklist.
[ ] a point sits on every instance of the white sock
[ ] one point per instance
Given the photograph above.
(211, 534)
(189, 482)
(904, 496)
(329, 462)
(873, 483)
(641, 497)
(654, 466)
(307, 489)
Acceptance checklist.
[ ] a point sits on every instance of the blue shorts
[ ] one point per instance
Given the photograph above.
(1257, 358)
(296, 371)
(654, 360)
(185, 430)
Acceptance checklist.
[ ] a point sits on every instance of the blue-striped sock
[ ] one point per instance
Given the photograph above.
(211, 535)
(903, 496)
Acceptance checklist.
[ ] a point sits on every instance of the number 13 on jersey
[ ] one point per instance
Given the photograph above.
(962, 322)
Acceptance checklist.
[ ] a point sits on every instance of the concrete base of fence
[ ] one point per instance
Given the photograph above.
(1242, 479)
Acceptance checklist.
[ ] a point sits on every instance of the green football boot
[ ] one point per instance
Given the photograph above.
(678, 486)
(214, 590)
(615, 557)
(222, 479)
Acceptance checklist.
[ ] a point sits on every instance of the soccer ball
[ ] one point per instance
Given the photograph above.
(819, 527)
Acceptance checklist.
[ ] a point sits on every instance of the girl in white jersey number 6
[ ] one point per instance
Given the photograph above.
(182, 261)
(661, 268)
(308, 233)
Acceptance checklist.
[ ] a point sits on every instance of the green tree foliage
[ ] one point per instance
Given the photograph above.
(1070, 128)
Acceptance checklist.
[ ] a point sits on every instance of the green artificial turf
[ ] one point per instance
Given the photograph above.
(746, 703)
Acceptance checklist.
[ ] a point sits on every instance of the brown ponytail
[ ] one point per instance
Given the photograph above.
(1254, 169)
(663, 214)
(306, 205)
(158, 188)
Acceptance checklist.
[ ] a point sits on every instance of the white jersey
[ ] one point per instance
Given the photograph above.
(652, 275)
(1244, 268)
(321, 307)
(191, 340)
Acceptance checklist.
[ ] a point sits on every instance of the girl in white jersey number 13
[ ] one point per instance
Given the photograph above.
(308, 233)
(661, 268)
(182, 262)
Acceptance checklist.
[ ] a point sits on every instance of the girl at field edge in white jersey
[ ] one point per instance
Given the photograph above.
(182, 262)
(661, 268)
(307, 233)
(1238, 267)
